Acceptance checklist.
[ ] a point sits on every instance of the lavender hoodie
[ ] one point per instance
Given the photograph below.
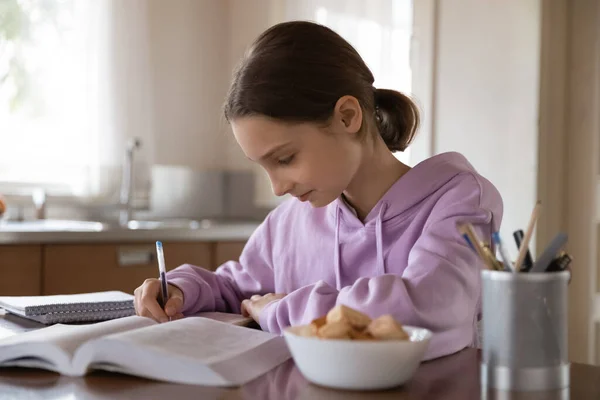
(407, 259)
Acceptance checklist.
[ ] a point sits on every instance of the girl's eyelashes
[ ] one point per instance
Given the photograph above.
(286, 160)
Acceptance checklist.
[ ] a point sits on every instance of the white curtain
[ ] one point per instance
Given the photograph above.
(90, 91)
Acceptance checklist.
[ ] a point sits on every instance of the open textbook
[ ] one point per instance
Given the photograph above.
(193, 350)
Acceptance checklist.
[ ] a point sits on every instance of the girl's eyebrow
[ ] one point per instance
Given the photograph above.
(273, 151)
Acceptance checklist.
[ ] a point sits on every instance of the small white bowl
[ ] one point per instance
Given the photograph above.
(357, 364)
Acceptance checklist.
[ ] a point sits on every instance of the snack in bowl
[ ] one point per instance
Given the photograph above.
(354, 318)
(346, 323)
(386, 328)
(346, 349)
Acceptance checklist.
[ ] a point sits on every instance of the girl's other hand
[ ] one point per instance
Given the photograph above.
(254, 305)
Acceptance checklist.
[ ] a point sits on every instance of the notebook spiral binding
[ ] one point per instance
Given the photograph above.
(78, 307)
(87, 316)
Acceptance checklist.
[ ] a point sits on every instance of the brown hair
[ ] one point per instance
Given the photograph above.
(296, 72)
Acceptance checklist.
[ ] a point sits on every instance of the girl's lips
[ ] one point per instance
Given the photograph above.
(305, 196)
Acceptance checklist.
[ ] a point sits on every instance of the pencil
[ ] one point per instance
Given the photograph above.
(525, 243)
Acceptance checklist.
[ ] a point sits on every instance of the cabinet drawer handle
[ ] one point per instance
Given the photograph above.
(129, 256)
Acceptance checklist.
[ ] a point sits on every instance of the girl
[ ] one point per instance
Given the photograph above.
(362, 228)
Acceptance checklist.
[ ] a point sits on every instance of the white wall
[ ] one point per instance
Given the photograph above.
(247, 20)
(190, 40)
(195, 45)
(486, 92)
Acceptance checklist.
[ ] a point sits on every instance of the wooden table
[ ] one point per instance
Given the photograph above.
(449, 378)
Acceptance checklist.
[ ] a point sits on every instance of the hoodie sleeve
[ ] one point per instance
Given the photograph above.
(438, 290)
(224, 289)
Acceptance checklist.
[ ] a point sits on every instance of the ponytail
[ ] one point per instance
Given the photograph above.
(397, 118)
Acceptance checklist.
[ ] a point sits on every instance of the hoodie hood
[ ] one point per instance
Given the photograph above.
(417, 184)
(421, 182)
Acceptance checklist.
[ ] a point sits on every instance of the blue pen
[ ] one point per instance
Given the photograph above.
(163, 273)
(505, 258)
(483, 251)
(466, 237)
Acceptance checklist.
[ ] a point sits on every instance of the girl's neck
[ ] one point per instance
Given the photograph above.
(379, 170)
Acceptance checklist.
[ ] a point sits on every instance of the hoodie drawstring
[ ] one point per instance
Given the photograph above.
(379, 239)
(336, 254)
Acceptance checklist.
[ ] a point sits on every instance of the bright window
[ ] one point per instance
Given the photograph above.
(52, 86)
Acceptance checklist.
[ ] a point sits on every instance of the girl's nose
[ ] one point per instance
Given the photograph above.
(280, 186)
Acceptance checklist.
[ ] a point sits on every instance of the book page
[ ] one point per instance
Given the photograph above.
(11, 324)
(199, 338)
(68, 338)
(192, 350)
(234, 319)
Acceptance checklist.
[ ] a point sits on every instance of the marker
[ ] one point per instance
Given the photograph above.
(528, 262)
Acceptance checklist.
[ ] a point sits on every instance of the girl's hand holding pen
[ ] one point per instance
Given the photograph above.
(147, 305)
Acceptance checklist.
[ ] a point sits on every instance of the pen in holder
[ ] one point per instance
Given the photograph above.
(483, 250)
(524, 330)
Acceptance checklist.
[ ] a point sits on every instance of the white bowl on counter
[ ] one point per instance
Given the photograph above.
(357, 364)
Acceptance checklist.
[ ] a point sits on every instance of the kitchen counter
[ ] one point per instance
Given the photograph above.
(223, 231)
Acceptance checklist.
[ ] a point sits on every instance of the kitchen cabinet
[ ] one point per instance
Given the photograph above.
(78, 268)
(20, 270)
(227, 251)
(53, 268)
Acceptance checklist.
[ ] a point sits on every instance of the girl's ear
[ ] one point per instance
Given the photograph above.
(347, 114)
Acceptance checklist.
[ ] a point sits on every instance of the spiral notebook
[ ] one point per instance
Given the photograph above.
(70, 308)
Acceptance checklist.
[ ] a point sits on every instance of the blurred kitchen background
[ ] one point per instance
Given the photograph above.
(110, 110)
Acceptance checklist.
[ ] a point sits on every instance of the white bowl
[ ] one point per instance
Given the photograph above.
(357, 364)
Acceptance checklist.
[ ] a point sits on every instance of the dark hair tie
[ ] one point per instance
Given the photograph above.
(377, 114)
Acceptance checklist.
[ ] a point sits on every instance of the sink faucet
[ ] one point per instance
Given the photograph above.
(39, 201)
(127, 182)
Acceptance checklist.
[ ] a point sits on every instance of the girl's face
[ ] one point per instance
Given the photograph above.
(304, 160)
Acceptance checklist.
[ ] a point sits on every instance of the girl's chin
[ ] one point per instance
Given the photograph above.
(318, 202)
